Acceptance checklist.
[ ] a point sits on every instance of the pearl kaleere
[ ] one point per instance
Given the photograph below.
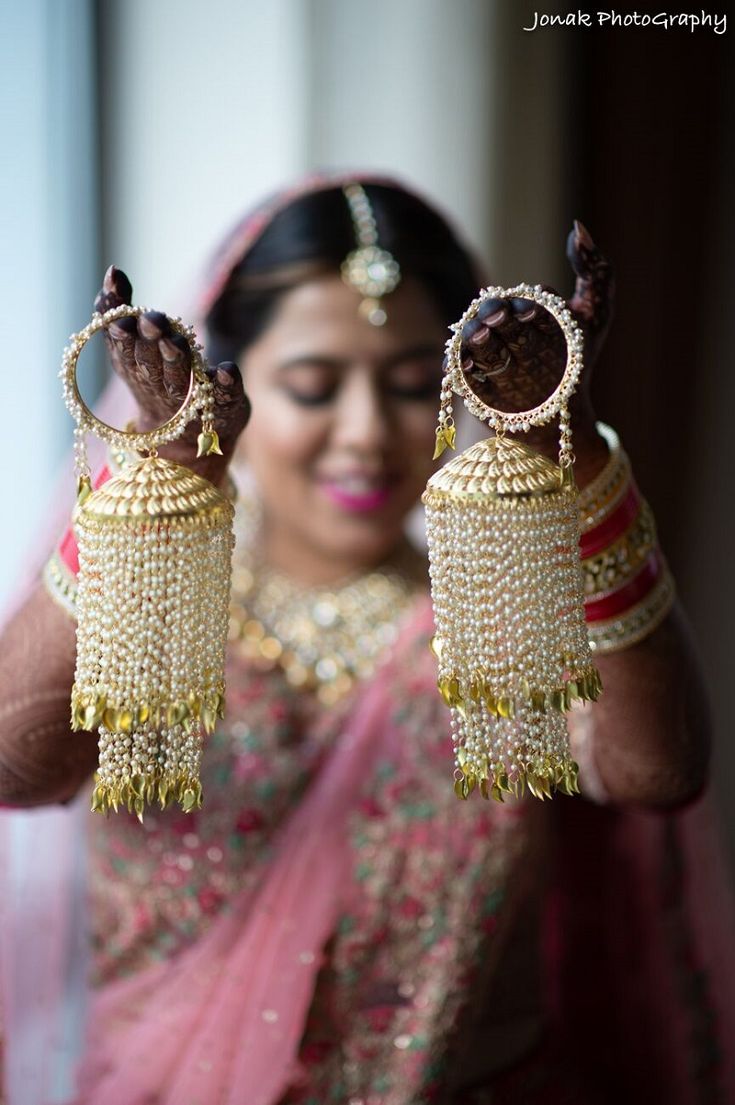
(155, 553)
(511, 641)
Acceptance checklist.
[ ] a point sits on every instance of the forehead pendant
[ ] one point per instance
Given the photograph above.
(371, 271)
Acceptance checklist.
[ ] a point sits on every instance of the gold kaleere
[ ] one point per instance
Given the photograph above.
(511, 642)
(155, 553)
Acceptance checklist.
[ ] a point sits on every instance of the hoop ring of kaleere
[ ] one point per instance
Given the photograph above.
(545, 411)
(198, 392)
(511, 642)
(155, 559)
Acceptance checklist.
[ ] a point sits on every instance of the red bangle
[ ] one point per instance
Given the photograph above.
(630, 594)
(612, 527)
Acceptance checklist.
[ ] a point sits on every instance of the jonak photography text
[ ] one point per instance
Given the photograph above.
(666, 21)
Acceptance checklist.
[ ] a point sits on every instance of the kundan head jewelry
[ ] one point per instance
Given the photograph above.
(155, 551)
(372, 272)
(503, 539)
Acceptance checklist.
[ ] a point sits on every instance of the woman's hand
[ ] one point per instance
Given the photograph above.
(155, 363)
(513, 353)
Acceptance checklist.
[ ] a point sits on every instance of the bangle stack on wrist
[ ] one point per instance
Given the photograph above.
(62, 567)
(627, 584)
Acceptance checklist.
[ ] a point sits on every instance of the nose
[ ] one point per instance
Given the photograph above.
(362, 418)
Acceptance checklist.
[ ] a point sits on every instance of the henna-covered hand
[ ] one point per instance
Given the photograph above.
(155, 363)
(513, 353)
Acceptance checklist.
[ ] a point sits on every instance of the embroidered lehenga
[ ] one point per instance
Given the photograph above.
(412, 948)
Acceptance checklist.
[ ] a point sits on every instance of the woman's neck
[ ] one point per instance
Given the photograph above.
(313, 568)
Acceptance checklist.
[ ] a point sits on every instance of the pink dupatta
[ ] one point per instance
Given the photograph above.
(238, 998)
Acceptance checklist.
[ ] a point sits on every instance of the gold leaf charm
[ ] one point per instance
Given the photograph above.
(99, 800)
(209, 719)
(84, 488)
(445, 436)
(461, 789)
(125, 720)
(505, 706)
(188, 802)
(449, 690)
(208, 443)
(440, 444)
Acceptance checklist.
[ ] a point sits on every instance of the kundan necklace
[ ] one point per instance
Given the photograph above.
(324, 638)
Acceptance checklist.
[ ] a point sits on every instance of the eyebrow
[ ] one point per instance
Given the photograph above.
(325, 360)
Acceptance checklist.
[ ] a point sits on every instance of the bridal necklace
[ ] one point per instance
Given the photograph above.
(324, 638)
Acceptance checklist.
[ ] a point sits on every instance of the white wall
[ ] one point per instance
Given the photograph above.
(48, 239)
(204, 113)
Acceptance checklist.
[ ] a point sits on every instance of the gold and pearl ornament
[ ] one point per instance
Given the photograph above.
(511, 641)
(369, 269)
(155, 552)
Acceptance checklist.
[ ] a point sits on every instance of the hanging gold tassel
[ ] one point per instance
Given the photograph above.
(503, 539)
(155, 551)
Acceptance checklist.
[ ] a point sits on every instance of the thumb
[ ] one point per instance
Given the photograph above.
(594, 290)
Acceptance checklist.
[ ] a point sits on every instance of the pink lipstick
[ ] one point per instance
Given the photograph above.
(361, 502)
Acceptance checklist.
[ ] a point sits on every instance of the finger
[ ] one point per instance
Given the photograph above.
(116, 289)
(491, 313)
(524, 309)
(231, 404)
(495, 341)
(120, 338)
(544, 322)
(153, 325)
(594, 289)
(154, 329)
(174, 358)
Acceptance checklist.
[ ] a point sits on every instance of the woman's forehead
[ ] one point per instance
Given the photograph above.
(327, 310)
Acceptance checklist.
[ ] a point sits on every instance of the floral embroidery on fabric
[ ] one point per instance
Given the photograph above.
(432, 891)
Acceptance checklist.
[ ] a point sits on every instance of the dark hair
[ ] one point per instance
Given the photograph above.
(312, 236)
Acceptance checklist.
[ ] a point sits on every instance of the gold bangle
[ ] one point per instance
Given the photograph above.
(636, 623)
(61, 584)
(607, 489)
(616, 564)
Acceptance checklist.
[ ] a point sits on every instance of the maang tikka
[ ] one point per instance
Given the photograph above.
(155, 553)
(369, 269)
(506, 581)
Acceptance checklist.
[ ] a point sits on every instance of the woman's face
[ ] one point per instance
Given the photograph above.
(341, 434)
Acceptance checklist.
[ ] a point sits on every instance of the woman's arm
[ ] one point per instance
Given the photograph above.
(647, 739)
(41, 759)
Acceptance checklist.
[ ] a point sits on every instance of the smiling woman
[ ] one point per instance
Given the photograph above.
(341, 434)
(333, 925)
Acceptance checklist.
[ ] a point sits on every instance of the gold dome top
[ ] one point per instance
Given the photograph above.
(496, 466)
(154, 487)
